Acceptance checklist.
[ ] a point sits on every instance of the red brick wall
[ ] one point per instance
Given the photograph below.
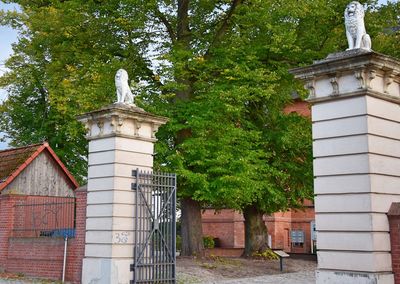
(51, 212)
(301, 107)
(6, 211)
(394, 227)
(239, 233)
(77, 247)
(280, 225)
(41, 257)
(228, 226)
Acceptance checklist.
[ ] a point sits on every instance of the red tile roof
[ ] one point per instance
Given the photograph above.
(14, 161)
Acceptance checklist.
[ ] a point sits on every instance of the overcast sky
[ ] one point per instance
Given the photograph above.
(9, 36)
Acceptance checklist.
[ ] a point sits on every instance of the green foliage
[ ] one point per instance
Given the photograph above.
(383, 25)
(208, 242)
(178, 242)
(267, 254)
(218, 70)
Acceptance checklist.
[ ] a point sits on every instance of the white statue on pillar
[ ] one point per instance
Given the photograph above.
(357, 36)
(124, 94)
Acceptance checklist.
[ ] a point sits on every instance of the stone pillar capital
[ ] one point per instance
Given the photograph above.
(352, 73)
(121, 120)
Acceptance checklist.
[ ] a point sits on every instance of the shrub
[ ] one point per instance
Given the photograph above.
(268, 254)
(208, 242)
(178, 243)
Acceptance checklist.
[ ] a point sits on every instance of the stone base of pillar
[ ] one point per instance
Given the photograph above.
(340, 277)
(106, 270)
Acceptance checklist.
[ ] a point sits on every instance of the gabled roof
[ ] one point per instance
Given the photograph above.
(14, 161)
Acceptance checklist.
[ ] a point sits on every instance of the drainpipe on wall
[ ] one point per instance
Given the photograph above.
(65, 258)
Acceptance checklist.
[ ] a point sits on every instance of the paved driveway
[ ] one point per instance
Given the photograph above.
(307, 277)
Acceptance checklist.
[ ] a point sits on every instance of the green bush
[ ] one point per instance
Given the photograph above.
(268, 254)
(208, 242)
(178, 243)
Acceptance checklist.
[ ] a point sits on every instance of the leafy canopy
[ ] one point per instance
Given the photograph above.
(216, 68)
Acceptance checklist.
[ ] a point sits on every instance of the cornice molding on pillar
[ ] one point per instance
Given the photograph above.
(352, 73)
(121, 120)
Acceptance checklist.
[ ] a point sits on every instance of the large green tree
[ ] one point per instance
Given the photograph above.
(216, 68)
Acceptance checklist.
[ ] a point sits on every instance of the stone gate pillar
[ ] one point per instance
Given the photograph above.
(121, 139)
(355, 97)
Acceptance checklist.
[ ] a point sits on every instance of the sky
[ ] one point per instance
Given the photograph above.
(9, 36)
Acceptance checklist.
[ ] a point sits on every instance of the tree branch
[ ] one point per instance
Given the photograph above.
(225, 25)
(183, 32)
(166, 23)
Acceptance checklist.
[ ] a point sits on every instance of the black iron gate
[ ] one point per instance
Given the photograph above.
(155, 222)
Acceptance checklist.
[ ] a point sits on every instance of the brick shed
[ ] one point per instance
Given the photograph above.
(292, 231)
(40, 205)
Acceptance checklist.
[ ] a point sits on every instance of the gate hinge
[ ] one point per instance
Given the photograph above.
(132, 267)
(134, 186)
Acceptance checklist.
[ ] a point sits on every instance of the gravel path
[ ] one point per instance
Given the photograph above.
(307, 277)
(228, 271)
(241, 271)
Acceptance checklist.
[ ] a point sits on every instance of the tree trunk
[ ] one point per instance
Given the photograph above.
(256, 236)
(191, 230)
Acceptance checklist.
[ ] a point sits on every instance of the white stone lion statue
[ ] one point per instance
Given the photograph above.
(357, 36)
(124, 94)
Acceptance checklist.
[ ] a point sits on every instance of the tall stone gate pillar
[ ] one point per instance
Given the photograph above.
(355, 97)
(121, 139)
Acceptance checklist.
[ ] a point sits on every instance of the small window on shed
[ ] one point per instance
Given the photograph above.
(297, 237)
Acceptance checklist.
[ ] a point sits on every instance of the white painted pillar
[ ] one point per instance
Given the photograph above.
(121, 139)
(355, 97)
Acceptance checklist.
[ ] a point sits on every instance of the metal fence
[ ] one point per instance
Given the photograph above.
(44, 216)
(155, 223)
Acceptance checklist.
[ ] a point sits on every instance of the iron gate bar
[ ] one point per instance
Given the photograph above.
(155, 227)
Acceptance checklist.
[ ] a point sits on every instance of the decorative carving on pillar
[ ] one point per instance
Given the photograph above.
(388, 80)
(100, 125)
(88, 127)
(359, 74)
(154, 129)
(121, 120)
(371, 76)
(138, 125)
(116, 122)
(310, 86)
(356, 34)
(335, 85)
